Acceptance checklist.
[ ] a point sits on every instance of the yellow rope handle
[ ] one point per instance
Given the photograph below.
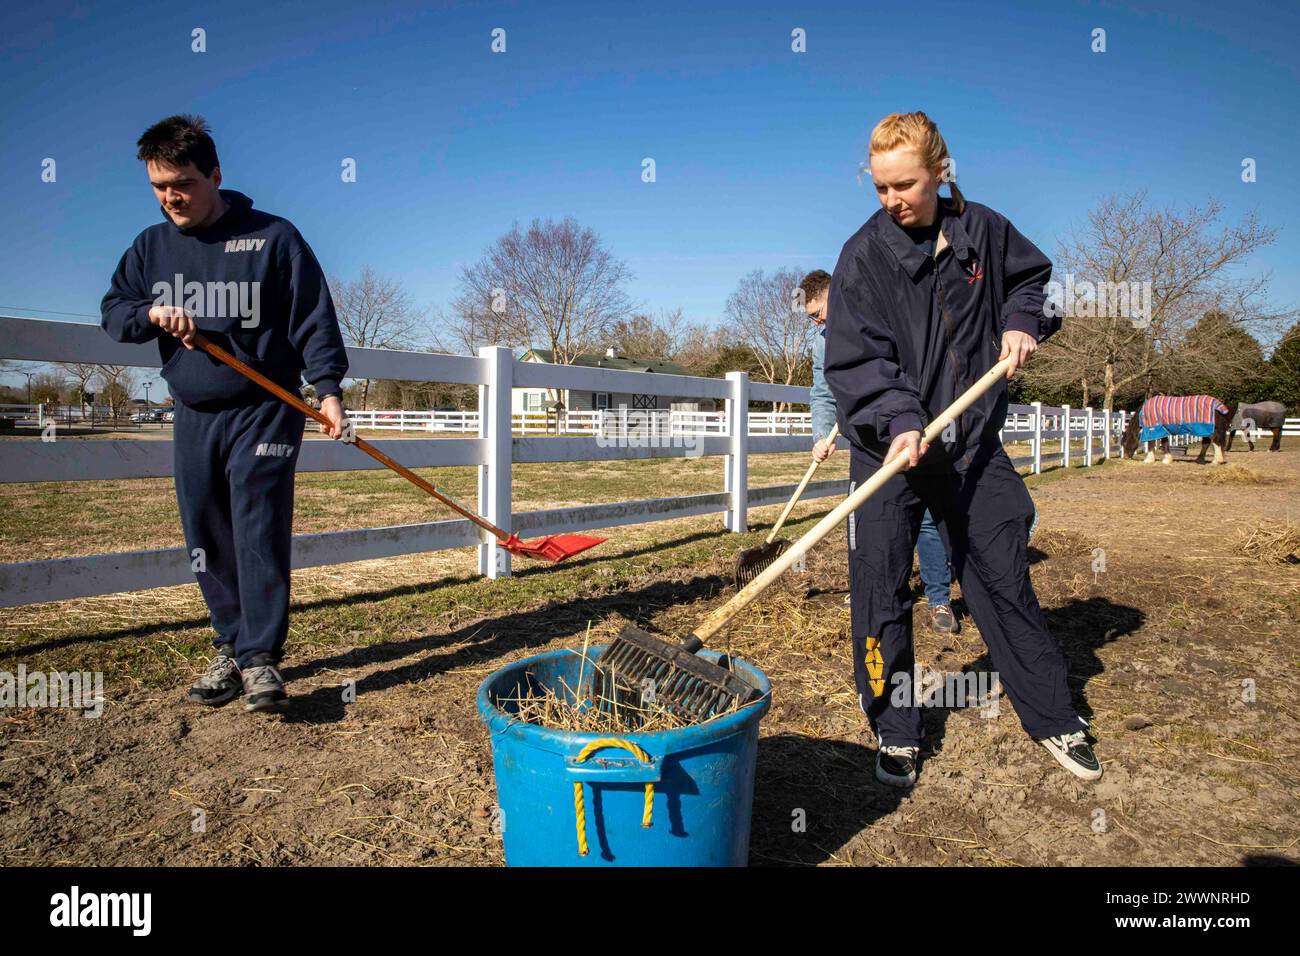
(579, 807)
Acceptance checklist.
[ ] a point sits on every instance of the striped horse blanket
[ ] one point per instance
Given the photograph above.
(1165, 415)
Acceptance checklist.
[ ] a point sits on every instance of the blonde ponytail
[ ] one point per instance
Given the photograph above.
(918, 132)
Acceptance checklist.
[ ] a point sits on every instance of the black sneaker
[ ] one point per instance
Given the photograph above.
(896, 766)
(1074, 753)
(943, 620)
(220, 683)
(263, 686)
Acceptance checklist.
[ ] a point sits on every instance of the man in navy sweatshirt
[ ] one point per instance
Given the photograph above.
(250, 283)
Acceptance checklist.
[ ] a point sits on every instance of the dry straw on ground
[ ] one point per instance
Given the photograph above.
(1060, 543)
(1234, 475)
(1272, 541)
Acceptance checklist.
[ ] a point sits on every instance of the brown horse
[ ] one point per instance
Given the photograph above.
(1130, 440)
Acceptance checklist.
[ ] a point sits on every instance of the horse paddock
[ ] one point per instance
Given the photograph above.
(1174, 591)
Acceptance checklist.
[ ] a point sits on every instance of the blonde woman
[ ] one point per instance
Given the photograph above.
(927, 296)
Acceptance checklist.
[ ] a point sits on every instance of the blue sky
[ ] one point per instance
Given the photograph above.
(756, 147)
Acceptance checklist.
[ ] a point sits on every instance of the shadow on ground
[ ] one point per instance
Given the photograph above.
(350, 599)
(484, 640)
(811, 797)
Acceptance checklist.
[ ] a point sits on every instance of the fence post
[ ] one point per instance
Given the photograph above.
(1105, 438)
(1065, 435)
(737, 460)
(1087, 442)
(495, 422)
(1038, 437)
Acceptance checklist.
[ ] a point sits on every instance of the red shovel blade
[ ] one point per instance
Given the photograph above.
(556, 547)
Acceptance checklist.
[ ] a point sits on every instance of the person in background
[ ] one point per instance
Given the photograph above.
(932, 555)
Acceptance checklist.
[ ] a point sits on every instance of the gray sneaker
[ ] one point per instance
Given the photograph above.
(220, 683)
(943, 620)
(263, 686)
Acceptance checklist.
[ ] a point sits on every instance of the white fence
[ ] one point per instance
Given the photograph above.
(37, 413)
(1080, 435)
(609, 422)
(492, 448)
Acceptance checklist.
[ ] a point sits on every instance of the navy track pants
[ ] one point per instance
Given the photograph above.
(234, 483)
(983, 513)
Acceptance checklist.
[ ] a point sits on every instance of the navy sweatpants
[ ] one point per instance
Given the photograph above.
(234, 483)
(983, 513)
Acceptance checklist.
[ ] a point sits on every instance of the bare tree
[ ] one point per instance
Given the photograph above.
(553, 286)
(376, 313)
(645, 336)
(116, 385)
(82, 374)
(1136, 281)
(700, 347)
(764, 313)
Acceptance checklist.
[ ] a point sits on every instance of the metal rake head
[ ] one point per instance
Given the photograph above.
(752, 562)
(638, 671)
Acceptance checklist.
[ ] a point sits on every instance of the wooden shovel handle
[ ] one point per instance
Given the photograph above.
(798, 492)
(742, 599)
(221, 355)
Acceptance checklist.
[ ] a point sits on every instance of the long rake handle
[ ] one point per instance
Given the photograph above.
(719, 618)
(798, 492)
(221, 355)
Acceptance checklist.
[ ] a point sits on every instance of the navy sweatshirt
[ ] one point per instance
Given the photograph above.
(254, 288)
(907, 333)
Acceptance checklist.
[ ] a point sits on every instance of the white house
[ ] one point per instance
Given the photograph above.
(581, 400)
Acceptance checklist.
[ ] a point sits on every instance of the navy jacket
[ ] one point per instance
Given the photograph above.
(906, 333)
(255, 289)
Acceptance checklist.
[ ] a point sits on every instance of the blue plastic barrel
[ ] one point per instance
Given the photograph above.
(702, 777)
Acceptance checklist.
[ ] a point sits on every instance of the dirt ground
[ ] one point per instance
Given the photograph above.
(1182, 651)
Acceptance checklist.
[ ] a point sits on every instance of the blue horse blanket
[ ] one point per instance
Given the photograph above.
(1163, 416)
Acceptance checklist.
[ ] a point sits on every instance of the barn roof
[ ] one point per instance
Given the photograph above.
(624, 363)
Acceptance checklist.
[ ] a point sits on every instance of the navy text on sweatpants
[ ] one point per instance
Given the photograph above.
(234, 484)
(983, 513)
